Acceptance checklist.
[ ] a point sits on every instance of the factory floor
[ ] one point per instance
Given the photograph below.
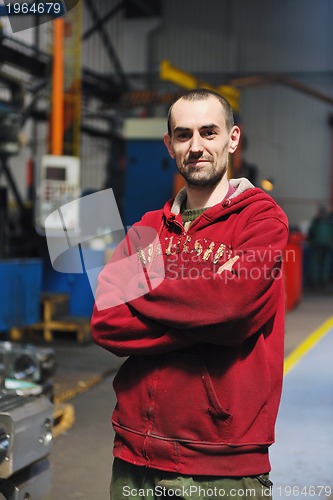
(81, 459)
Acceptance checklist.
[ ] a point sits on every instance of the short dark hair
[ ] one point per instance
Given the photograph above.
(201, 94)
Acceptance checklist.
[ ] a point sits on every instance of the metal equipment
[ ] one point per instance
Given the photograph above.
(33, 483)
(27, 362)
(18, 236)
(25, 431)
(10, 115)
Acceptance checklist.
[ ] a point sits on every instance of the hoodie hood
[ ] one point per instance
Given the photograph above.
(243, 198)
(240, 185)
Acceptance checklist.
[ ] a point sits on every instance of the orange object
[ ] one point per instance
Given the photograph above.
(178, 183)
(58, 87)
(30, 178)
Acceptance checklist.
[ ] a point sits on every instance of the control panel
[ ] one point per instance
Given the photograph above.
(58, 185)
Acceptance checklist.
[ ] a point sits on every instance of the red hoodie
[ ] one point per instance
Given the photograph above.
(200, 390)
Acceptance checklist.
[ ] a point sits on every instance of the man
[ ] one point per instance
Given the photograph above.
(320, 237)
(199, 393)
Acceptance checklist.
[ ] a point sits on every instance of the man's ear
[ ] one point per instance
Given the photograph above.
(167, 142)
(234, 138)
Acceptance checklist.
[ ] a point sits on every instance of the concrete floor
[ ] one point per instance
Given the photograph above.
(302, 456)
(82, 456)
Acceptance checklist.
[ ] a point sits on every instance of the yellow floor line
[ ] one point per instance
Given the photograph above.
(64, 418)
(79, 388)
(297, 354)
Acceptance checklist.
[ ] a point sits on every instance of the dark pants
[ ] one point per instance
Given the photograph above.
(133, 482)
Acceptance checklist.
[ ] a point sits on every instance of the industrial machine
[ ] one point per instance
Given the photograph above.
(33, 483)
(25, 431)
(26, 421)
(10, 124)
(27, 362)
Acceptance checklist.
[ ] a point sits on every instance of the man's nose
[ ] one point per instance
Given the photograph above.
(196, 143)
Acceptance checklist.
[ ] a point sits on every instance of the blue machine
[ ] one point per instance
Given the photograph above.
(149, 176)
(21, 281)
(76, 285)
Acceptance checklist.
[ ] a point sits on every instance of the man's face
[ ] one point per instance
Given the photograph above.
(200, 142)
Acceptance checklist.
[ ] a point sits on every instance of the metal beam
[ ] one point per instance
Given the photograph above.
(37, 63)
(22, 56)
(187, 80)
(100, 23)
(277, 78)
(4, 168)
(108, 45)
(42, 116)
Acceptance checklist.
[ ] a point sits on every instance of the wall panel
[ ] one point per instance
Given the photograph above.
(289, 140)
(285, 35)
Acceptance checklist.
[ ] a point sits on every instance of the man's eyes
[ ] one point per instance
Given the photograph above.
(187, 135)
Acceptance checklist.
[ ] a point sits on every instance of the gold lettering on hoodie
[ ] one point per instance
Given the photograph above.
(186, 248)
(142, 256)
(151, 255)
(169, 250)
(201, 248)
(219, 252)
(150, 251)
(158, 250)
(198, 247)
(209, 251)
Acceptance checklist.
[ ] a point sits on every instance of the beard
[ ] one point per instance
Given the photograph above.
(201, 177)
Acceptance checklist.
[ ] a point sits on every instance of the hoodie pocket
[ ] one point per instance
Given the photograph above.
(186, 405)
